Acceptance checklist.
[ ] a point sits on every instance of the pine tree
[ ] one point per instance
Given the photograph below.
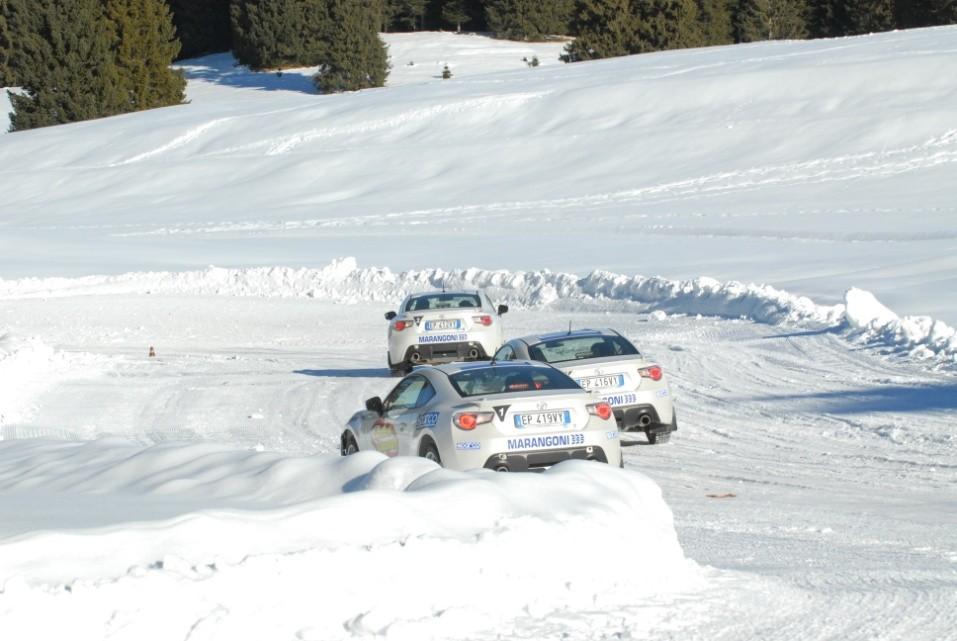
(605, 28)
(64, 62)
(146, 45)
(925, 13)
(271, 34)
(407, 15)
(770, 20)
(202, 26)
(869, 16)
(455, 12)
(715, 18)
(529, 19)
(353, 55)
(668, 24)
(6, 48)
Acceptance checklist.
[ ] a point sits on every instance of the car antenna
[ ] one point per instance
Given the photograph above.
(569, 328)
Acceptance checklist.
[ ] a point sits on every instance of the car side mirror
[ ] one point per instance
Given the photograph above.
(390, 315)
(502, 309)
(374, 404)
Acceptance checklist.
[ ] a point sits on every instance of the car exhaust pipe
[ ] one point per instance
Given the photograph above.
(473, 353)
(415, 357)
(644, 420)
(501, 468)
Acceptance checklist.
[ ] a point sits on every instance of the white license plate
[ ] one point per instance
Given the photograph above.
(440, 325)
(550, 418)
(601, 382)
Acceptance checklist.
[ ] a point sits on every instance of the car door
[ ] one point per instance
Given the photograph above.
(397, 430)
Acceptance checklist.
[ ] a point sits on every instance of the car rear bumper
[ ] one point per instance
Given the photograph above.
(446, 353)
(540, 459)
(642, 418)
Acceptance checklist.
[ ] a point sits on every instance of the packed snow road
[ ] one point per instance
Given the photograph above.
(813, 485)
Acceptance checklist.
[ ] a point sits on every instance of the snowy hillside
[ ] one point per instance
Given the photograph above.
(773, 223)
(812, 166)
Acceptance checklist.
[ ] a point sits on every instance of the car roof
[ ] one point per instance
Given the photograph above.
(454, 368)
(452, 292)
(533, 339)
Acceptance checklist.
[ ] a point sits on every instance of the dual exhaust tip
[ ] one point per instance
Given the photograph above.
(416, 357)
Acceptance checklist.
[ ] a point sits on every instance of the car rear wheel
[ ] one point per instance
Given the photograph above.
(396, 370)
(664, 437)
(431, 452)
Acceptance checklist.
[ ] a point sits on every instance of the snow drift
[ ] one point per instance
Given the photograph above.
(344, 281)
(435, 546)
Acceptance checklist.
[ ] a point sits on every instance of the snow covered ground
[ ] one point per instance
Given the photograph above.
(810, 492)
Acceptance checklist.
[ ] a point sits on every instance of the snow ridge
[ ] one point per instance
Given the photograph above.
(861, 316)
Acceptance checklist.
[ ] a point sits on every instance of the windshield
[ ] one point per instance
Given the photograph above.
(574, 348)
(504, 379)
(428, 302)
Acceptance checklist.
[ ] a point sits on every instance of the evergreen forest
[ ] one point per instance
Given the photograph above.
(81, 59)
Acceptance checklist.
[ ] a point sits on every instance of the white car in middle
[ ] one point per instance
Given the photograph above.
(443, 327)
(515, 416)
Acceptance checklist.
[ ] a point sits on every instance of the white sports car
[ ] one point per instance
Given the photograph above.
(605, 362)
(512, 416)
(443, 327)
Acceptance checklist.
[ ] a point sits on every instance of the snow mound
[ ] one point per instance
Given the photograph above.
(918, 336)
(344, 281)
(442, 553)
(27, 367)
(24, 364)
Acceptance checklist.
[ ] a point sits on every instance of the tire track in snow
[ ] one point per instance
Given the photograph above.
(183, 140)
(285, 144)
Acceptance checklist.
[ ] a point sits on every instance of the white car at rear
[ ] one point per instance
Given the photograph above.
(502, 416)
(606, 363)
(443, 327)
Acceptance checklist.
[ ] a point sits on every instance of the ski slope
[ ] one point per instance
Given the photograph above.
(774, 223)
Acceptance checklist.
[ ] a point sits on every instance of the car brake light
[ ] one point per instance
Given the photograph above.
(471, 420)
(402, 324)
(601, 410)
(483, 320)
(654, 372)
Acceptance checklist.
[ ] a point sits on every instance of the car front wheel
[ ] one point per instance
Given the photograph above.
(349, 445)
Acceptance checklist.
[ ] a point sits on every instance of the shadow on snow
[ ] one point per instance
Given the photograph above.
(222, 69)
(884, 398)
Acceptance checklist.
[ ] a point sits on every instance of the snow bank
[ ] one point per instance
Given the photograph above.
(344, 281)
(28, 366)
(919, 336)
(321, 547)
(24, 366)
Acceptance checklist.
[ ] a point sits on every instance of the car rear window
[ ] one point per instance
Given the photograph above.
(503, 379)
(574, 348)
(428, 302)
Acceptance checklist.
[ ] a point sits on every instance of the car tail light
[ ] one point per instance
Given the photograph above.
(471, 420)
(654, 372)
(601, 410)
(483, 320)
(402, 324)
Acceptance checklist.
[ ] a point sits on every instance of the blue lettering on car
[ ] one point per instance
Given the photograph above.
(618, 400)
(444, 338)
(429, 419)
(540, 442)
(468, 445)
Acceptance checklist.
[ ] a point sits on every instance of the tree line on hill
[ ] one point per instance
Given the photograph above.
(81, 59)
